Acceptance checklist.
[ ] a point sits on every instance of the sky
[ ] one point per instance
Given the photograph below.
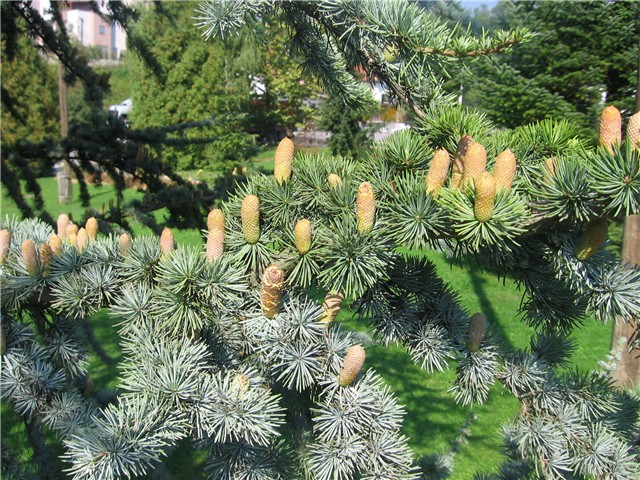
(471, 4)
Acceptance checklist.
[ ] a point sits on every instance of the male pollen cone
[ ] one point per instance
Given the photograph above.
(283, 160)
(475, 162)
(91, 226)
(271, 293)
(331, 306)
(30, 257)
(365, 207)
(250, 214)
(592, 237)
(610, 131)
(458, 160)
(504, 170)
(240, 383)
(62, 223)
(56, 244)
(72, 229)
(353, 362)
(438, 171)
(334, 180)
(633, 130)
(215, 219)
(46, 255)
(166, 241)
(215, 244)
(5, 244)
(82, 240)
(485, 196)
(302, 235)
(477, 330)
(124, 244)
(550, 166)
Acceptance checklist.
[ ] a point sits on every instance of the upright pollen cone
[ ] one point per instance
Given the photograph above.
(438, 171)
(46, 255)
(124, 244)
(30, 257)
(71, 231)
(62, 223)
(56, 245)
(5, 244)
(334, 180)
(272, 287)
(215, 219)
(504, 170)
(633, 130)
(458, 160)
(91, 226)
(353, 362)
(82, 240)
(365, 207)
(250, 214)
(485, 196)
(331, 306)
(240, 383)
(592, 237)
(283, 160)
(475, 162)
(302, 235)
(215, 244)
(167, 243)
(478, 326)
(610, 131)
(550, 166)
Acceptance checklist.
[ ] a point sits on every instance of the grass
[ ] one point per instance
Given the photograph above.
(433, 421)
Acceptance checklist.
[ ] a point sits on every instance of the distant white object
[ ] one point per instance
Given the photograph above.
(122, 110)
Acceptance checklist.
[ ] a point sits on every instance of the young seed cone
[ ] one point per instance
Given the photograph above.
(167, 243)
(610, 131)
(633, 130)
(592, 237)
(30, 257)
(215, 244)
(124, 244)
(56, 245)
(5, 244)
(331, 306)
(485, 196)
(82, 240)
(272, 287)
(334, 180)
(62, 223)
(353, 362)
(91, 226)
(475, 162)
(250, 214)
(477, 330)
(438, 171)
(46, 255)
(458, 160)
(302, 235)
(365, 207)
(215, 219)
(283, 160)
(504, 170)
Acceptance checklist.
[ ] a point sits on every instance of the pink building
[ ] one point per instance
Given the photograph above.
(88, 28)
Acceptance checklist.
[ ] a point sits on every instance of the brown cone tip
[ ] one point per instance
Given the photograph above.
(5, 244)
(458, 160)
(91, 226)
(478, 326)
(633, 130)
(215, 244)
(167, 243)
(272, 287)
(283, 160)
(353, 362)
(334, 180)
(504, 170)
(302, 235)
(30, 257)
(215, 219)
(438, 170)
(610, 131)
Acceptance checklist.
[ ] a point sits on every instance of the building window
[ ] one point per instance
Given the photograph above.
(104, 51)
(102, 29)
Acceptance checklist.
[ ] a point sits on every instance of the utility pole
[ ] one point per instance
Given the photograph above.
(65, 189)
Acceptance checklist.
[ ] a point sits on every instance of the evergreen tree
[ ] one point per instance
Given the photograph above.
(223, 344)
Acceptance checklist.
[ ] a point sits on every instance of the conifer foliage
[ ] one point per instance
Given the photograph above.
(223, 344)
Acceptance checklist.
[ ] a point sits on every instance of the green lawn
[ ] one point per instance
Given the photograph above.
(433, 420)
